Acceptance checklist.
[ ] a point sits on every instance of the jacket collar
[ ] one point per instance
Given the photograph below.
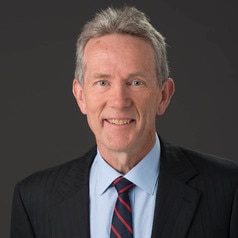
(176, 201)
(71, 200)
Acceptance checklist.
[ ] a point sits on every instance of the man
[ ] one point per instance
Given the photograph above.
(121, 83)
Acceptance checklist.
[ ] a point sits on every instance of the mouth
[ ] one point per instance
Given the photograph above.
(119, 122)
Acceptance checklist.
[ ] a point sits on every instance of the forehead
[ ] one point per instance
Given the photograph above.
(115, 48)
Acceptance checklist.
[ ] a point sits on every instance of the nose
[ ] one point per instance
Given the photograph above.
(119, 96)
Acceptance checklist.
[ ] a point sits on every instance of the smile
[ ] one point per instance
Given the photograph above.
(119, 121)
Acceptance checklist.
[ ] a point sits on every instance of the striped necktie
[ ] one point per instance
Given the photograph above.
(121, 226)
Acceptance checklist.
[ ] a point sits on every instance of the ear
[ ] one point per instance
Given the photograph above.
(79, 96)
(166, 92)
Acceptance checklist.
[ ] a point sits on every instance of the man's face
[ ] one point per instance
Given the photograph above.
(120, 94)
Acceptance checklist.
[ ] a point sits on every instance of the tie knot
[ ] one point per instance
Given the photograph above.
(122, 185)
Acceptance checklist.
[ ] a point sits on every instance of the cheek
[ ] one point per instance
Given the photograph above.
(93, 110)
(92, 122)
(152, 103)
(148, 109)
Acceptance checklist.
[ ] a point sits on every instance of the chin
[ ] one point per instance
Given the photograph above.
(120, 146)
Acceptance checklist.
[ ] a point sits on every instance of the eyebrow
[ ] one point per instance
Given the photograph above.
(132, 75)
(101, 75)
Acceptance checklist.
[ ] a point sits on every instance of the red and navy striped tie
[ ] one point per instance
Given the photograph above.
(121, 226)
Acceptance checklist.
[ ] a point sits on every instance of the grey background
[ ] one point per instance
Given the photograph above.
(41, 125)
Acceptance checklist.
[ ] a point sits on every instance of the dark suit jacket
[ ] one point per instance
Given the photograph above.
(197, 198)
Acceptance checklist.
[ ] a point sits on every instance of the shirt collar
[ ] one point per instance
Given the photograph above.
(144, 175)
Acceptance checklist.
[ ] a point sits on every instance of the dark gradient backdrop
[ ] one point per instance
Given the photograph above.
(41, 125)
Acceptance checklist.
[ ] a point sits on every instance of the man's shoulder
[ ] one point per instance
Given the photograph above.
(203, 163)
(206, 162)
(49, 178)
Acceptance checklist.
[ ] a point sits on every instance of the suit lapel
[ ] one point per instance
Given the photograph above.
(69, 212)
(176, 201)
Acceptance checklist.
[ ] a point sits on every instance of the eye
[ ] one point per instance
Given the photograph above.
(102, 83)
(136, 83)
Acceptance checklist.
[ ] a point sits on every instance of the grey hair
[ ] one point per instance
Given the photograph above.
(126, 20)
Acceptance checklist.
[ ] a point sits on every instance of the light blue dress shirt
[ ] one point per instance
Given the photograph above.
(142, 196)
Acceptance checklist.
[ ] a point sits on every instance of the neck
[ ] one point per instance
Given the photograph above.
(124, 161)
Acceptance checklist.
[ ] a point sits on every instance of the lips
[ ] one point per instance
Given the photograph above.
(119, 121)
